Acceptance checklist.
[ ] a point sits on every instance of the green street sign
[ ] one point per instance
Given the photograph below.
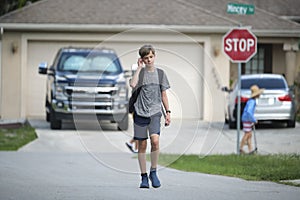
(240, 9)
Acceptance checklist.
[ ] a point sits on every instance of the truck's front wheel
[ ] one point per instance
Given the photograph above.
(54, 123)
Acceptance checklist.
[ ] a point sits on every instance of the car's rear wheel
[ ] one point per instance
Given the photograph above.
(232, 124)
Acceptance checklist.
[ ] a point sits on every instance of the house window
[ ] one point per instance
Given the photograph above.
(261, 62)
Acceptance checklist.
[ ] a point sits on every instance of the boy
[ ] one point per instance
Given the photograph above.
(147, 112)
(248, 118)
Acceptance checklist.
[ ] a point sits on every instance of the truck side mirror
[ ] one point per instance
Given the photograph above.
(43, 68)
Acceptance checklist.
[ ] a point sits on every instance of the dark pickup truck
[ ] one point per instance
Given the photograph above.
(86, 83)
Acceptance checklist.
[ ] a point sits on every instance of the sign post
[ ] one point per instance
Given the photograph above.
(239, 45)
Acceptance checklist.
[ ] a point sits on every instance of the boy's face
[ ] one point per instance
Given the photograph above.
(149, 59)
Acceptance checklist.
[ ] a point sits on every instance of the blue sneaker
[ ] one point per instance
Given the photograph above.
(154, 179)
(145, 182)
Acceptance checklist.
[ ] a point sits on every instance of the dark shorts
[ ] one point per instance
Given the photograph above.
(144, 126)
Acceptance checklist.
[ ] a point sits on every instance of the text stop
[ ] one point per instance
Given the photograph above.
(237, 44)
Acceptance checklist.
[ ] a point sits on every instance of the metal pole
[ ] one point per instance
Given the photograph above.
(238, 121)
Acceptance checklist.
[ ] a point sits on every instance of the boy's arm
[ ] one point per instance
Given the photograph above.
(165, 102)
(251, 110)
(135, 79)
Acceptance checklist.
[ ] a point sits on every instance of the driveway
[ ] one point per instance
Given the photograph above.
(93, 163)
(182, 137)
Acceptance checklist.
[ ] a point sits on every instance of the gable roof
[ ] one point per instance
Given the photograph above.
(183, 15)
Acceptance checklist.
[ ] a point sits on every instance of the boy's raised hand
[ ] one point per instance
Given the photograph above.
(140, 62)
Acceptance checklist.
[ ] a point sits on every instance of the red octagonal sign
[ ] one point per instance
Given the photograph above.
(239, 44)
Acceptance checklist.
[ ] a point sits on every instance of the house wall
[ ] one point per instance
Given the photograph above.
(283, 50)
(216, 77)
(279, 62)
(278, 59)
(11, 77)
(193, 61)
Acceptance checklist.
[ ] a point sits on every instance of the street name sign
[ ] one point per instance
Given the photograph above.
(240, 9)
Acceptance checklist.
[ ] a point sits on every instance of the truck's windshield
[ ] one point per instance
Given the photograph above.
(84, 62)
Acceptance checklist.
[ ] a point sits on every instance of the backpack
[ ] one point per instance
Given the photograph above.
(137, 90)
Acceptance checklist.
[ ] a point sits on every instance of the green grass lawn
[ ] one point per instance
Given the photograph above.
(250, 167)
(12, 139)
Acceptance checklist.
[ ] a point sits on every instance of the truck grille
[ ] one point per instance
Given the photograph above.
(90, 98)
(90, 91)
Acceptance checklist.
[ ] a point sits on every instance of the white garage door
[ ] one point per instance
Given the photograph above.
(183, 63)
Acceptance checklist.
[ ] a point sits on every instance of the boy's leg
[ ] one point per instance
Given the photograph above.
(154, 160)
(142, 162)
(135, 145)
(154, 150)
(141, 134)
(247, 128)
(142, 146)
(243, 143)
(132, 141)
(249, 141)
(154, 130)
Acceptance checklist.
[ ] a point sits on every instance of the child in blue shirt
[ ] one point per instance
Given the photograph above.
(248, 118)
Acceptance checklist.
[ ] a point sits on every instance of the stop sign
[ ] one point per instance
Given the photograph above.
(239, 44)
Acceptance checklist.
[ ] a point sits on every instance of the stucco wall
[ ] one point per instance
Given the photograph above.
(214, 67)
(278, 59)
(11, 76)
(217, 77)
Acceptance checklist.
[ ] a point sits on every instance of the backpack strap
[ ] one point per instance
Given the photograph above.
(135, 92)
(160, 77)
(140, 81)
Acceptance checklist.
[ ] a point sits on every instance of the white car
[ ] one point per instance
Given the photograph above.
(276, 103)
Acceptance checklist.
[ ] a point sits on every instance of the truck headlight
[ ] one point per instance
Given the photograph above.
(122, 92)
(122, 89)
(59, 92)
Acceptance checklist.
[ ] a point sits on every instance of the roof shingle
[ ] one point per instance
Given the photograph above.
(211, 13)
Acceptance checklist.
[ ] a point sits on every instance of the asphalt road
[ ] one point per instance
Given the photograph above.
(84, 161)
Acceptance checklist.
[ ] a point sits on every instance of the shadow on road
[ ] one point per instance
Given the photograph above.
(78, 125)
(269, 125)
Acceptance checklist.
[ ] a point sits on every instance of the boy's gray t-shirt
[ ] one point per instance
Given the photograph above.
(149, 100)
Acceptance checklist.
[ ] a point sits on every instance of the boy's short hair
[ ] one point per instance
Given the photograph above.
(146, 49)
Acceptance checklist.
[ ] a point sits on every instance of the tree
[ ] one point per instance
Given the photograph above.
(7, 6)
